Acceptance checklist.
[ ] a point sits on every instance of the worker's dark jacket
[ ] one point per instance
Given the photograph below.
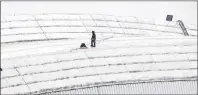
(93, 36)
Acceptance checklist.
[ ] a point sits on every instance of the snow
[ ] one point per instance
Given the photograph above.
(83, 63)
(163, 57)
(64, 65)
(117, 69)
(3, 83)
(192, 56)
(87, 71)
(59, 16)
(98, 61)
(25, 70)
(102, 70)
(162, 74)
(98, 17)
(20, 31)
(124, 76)
(143, 50)
(107, 78)
(8, 73)
(15, 80)
(192, 32)
(43, 17)
(74, 17)
(89, 23)
(113, 24)
(18, 17)
(101, 23)
(22, 37)
(114, 60)
(83, 16)
(77, 23)
(15, 90)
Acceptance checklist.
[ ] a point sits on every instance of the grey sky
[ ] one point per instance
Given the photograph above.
(184, 10)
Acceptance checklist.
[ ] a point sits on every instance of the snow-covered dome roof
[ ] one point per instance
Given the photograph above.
(40, 53)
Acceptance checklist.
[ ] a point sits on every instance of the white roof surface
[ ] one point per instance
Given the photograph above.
(41, 53)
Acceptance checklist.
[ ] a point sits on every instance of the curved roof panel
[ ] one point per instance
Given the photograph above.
(40, 53)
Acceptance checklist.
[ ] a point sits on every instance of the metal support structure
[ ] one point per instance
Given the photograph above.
(181, 24)
(40, 27)
(108, 25)
(95, 23)
(120, 25)
(23, 79)
(83, 23)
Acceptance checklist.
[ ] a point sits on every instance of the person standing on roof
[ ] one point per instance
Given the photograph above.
(93, 39)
